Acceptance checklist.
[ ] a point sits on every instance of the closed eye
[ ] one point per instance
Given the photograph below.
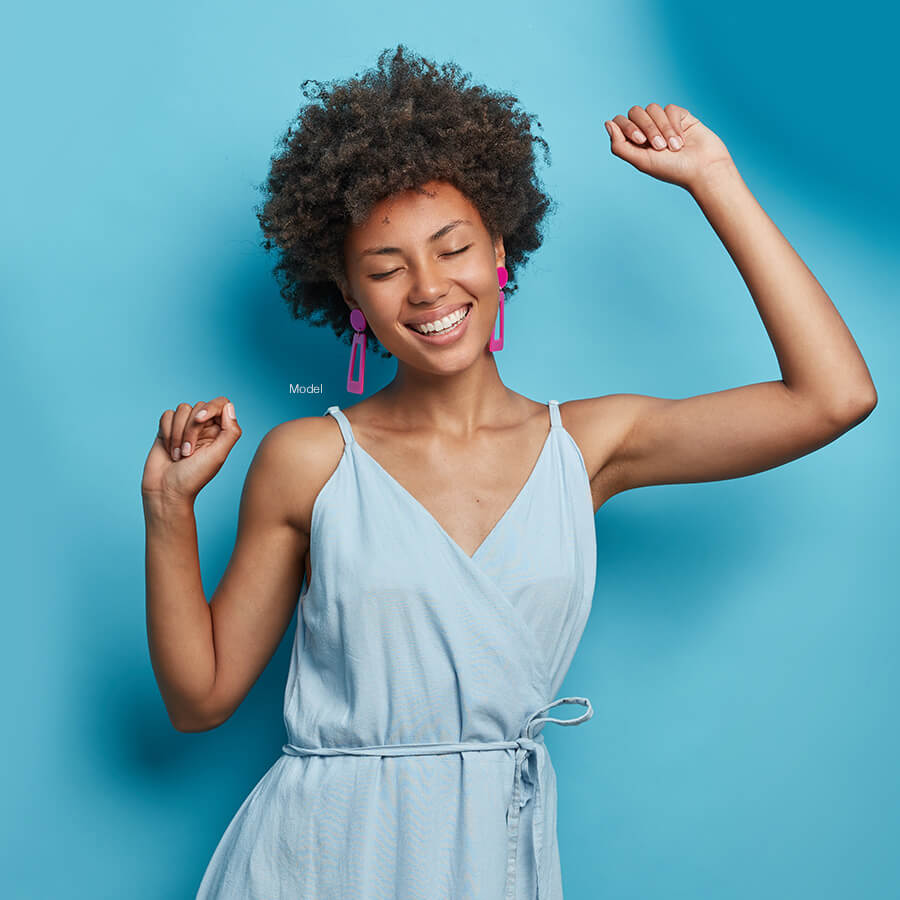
(381, 275)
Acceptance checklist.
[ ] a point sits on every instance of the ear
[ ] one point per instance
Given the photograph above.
(500, 251)
(342, 285)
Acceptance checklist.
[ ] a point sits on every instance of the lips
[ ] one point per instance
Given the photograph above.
(449, 335)
(436, 315)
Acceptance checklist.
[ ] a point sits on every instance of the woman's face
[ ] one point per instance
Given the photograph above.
(409, 261)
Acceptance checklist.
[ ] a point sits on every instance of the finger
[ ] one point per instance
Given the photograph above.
(230, 432)
(667, 131)
(191, 428)
(164, 432)
(621, 146)
(182, 412)
(677, 116)
(201, 416)
(629, 129)
(638, 116)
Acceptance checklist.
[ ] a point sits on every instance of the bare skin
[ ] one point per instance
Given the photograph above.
(462, 443)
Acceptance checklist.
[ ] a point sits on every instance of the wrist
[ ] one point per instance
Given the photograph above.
(718, 177)
(164, 506)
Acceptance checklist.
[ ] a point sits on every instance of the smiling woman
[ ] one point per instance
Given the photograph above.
(445, 522)
(393, 129)
(402, 260)
(446, 531)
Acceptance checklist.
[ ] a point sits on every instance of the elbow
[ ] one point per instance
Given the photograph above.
(192, 721)
(192, 726)
(205, 714)
(855, 408)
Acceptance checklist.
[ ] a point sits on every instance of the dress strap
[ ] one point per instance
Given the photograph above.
(344, 423)
(555, 420)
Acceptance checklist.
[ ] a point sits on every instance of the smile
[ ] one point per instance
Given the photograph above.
(445, 329)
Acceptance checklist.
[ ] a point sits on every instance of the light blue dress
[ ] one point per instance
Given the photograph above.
(420, 680)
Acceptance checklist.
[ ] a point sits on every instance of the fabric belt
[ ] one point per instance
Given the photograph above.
(526, 747)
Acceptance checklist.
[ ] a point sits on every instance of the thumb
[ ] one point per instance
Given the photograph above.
(231, 431)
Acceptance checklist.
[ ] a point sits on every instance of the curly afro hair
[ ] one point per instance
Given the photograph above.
(394, 128)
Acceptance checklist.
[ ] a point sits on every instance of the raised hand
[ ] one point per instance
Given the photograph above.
(191, 445)
(670, 144)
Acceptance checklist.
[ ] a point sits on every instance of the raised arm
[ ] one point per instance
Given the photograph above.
(825, 387)
(207, 657)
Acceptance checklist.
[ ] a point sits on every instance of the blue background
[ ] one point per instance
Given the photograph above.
(741, 655)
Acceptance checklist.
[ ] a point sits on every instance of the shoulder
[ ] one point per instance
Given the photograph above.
(294, 460)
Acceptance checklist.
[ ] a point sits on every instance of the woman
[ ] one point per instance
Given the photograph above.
(445, 523)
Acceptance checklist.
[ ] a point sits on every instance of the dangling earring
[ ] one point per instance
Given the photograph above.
(497, 343)
(358, 321)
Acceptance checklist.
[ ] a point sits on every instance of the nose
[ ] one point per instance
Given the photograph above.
(428, 285)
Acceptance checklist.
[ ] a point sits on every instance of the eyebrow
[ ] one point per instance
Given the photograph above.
(435, 237)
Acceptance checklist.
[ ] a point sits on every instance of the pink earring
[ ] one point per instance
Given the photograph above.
(358, 321)
(497, 343)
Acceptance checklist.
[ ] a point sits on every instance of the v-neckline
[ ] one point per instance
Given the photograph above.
(421, 506)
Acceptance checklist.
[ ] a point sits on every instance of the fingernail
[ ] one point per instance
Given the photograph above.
(640, 136)
(230, 408)
(675, 142)
(202, 414)
(186, 449)
(659, 142)
(176, 453)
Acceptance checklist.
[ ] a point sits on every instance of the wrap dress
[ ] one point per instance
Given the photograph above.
(419, 683)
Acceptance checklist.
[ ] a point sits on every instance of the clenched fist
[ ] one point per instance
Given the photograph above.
(670, 144)
(190, 447)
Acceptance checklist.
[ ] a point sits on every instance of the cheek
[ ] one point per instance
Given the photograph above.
(479, 281)
(388, 309)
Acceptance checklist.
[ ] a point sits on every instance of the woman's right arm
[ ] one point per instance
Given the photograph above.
(207, 656)
(179, 624)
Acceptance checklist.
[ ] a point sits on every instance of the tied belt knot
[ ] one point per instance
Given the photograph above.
(526, 781)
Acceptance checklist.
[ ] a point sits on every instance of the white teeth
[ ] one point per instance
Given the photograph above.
(442, 324)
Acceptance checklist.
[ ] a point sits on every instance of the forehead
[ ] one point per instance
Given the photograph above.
(414, 213)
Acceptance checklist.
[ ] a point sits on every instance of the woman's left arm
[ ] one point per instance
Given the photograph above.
(825, 387)
(819, 360)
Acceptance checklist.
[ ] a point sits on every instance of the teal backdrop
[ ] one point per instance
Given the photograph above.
(741, 654)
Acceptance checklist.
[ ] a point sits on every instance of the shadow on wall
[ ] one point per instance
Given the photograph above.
(811, 85)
